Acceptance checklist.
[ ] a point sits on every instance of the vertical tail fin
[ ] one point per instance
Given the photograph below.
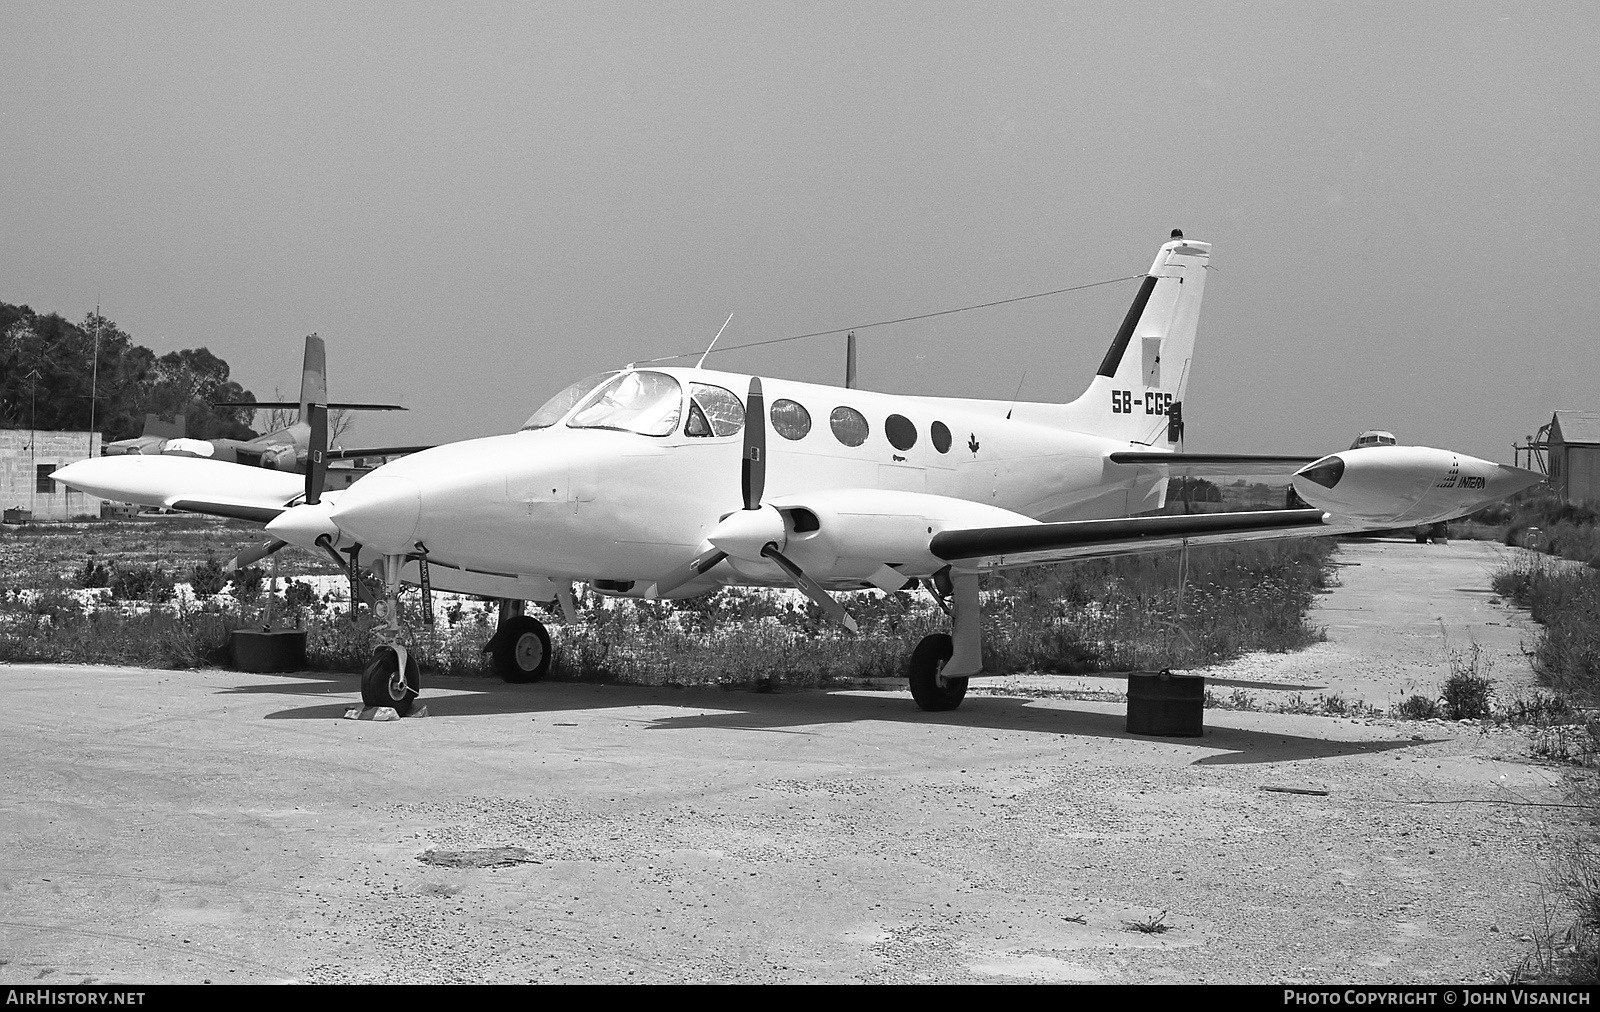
(1137, 393)
(313, 377)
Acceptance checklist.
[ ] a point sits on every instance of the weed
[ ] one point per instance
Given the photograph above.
(1156, 925)
(1465, 695)
(1416, 708)
(1566, 948)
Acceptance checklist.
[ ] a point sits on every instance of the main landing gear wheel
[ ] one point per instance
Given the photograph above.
(382, 683)
(927, 660)
(520, 649)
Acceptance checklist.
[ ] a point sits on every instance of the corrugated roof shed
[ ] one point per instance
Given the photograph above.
(1575, 427)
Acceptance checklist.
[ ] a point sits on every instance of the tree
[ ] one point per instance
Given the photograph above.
(51, 376)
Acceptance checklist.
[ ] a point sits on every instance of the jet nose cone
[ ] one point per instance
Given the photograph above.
(381, 512)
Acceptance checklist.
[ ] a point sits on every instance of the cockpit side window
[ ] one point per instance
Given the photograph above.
(649, 403)
(714, 411)
(556, 408)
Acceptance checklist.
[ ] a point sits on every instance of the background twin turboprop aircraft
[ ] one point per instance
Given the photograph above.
(669, 482)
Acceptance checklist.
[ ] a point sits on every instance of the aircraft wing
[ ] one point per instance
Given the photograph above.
(376, 451)
(190, 484)
(1004, 547)
(1213, 463)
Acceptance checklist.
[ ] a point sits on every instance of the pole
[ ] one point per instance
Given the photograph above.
(94, 376)
(850, 360)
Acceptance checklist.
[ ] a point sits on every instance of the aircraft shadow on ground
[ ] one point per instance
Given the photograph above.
(801, 712)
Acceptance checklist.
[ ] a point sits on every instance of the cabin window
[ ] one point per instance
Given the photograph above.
(901, 432)
(790, 419)
(649, 403)
(556, 408)
(941, 437)
(849, 426)
(714, 411)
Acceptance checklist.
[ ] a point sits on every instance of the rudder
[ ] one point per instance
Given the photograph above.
(1137, 393)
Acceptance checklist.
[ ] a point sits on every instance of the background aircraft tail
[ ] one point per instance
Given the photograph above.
(165, 428)
(1137, 393)
(313, 377)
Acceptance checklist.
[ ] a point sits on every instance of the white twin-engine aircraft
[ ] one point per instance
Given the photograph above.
(670, 482)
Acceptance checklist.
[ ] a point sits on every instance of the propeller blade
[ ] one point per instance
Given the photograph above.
(699, 566)
(753, 470)
(251, 556)
(317, 454)
(812, 589)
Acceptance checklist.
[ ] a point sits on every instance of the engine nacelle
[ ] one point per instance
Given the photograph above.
(851, 534)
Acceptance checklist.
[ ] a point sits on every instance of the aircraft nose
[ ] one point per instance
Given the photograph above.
(381, 512)
(1325, 472)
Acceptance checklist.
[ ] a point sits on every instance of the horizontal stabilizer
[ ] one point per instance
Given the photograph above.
(339, 406)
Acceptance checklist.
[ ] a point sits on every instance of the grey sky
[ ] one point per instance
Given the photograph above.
(478, 203)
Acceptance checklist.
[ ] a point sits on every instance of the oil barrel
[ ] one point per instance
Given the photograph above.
(1165, 704)
(279, 650)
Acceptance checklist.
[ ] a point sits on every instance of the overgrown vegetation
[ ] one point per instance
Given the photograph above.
(1564, 599)
(1173, 610)
(1545, 523)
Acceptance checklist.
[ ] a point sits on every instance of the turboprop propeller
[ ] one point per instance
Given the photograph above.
(308, 525)
(757, 531)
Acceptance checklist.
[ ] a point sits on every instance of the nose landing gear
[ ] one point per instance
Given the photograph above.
(391, 678)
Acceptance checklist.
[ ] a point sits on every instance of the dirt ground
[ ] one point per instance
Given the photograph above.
(217, 826)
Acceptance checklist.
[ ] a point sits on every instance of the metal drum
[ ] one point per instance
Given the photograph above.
(1166, 705)
(282, 650)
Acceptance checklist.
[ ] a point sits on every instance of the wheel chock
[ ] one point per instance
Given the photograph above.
(380, 713)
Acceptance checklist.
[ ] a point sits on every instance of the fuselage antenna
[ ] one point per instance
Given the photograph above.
(713, 343)
(1014, 396)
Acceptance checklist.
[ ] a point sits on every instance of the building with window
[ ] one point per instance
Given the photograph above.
(28, 456)
(1573, 449)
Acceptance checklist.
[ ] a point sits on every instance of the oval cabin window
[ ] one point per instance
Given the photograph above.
(941, 437)
(901, 432)
(849, 426)
(790, 419)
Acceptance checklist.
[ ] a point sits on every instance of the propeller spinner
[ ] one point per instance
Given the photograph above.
(755, 532)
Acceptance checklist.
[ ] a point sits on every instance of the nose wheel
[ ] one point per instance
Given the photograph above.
(391, 678)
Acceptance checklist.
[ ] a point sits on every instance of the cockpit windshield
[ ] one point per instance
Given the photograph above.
(649, 403)
(556, 408)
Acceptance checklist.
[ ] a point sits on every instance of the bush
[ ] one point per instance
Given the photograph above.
(206, 578)
(299, 596)
(1417, 708)
(141, 583)
(1466, 692)
(93, 574)
(245, 584)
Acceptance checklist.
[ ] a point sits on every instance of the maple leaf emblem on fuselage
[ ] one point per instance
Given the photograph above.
(972, 443)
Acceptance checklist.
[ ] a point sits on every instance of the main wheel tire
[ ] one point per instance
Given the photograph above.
(382, 684)
(520, 650)
(927, 660)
